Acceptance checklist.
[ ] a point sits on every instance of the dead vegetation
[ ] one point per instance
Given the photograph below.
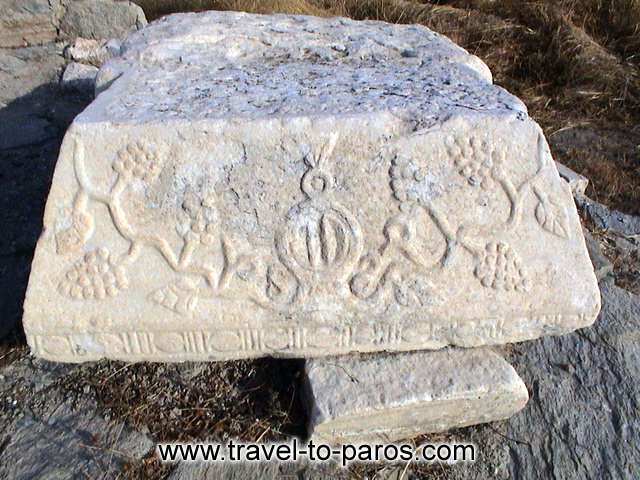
(243, 400)
(575, 63)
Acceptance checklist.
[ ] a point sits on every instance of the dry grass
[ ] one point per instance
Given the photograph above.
(575, 63)
(12, 347)
(156, 8)
(244, 400)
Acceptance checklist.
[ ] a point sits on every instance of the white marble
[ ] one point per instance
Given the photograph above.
(293, 186)
(385, 398)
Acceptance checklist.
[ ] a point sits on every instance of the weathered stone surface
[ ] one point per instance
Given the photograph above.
(273, 185)
(79, 77)
(578, 183)
(605, 218)
(601, 264)
(234, 470)
(48, 431)
(92, 52)
(24, 72)
(27, 22)
(32, 22)
(391, 397)
(101, 19)
(582, 421)
(70, 445)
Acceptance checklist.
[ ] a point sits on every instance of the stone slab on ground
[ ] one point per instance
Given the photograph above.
(355, 399)
(253, 185)
(583, 387)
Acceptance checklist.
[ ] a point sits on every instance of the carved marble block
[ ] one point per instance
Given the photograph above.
(251, 185)
(385, 398)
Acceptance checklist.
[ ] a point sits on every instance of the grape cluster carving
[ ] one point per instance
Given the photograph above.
(203, 218)
(96, 276)
(476, 160)
(137, 160)
(406, 181)
(500, 268)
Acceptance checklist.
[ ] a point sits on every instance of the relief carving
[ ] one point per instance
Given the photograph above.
(180, 297)
(551, 214)
(137, 160)
(140, 162)
(133, 343)
(476, 160)
(321, 240)
(320, 244)
(97, 275)
(73, 238)
(498, 266)
(380, 273)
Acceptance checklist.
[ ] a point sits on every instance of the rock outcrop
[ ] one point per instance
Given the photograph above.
(36, 22)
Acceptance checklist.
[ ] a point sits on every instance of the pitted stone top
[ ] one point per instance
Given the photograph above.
(229, 64)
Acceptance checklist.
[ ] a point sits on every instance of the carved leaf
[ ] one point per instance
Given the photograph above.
(552, 216)
(180, 297)
(73, 238)
(411, 291)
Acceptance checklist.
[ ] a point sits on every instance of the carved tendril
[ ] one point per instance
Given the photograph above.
(482, 166)
(136, 162)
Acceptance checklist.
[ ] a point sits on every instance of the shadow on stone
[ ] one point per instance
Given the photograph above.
(33, 126)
